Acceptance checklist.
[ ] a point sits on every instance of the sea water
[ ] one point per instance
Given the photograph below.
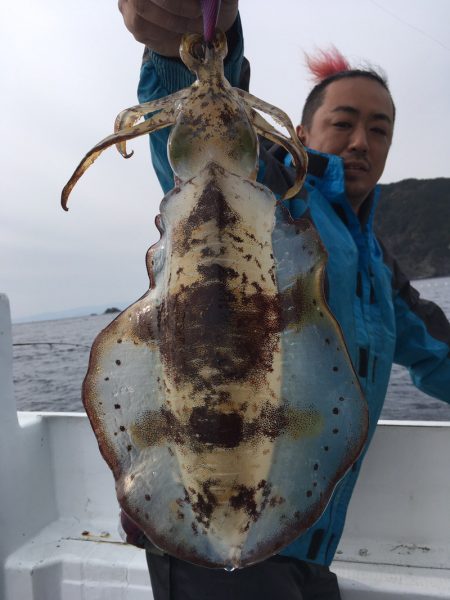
(49, 372)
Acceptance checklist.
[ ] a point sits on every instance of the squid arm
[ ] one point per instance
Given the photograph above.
(162, 119)
(276, 113)
(292, 145)
(130, 116)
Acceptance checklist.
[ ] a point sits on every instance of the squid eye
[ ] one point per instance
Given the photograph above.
(198, 50)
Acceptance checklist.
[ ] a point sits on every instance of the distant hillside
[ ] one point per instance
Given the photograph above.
(413, 221)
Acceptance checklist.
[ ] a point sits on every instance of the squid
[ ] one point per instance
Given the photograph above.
(224, 400)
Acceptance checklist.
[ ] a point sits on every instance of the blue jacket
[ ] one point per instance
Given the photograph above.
(381, 315)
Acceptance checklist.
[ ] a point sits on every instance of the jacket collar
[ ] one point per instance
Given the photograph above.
(326, 173)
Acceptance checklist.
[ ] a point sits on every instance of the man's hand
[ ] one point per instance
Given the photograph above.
(160, 24)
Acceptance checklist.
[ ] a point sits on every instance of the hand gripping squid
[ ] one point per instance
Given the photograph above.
(224, 400)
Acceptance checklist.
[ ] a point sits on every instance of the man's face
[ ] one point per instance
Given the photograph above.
(355, 122)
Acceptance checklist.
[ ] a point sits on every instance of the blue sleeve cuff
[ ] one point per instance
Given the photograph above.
(427, 358)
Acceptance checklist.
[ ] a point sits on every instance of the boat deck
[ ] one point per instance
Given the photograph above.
(59, 514)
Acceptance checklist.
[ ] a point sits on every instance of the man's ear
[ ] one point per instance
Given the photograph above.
(302, 134)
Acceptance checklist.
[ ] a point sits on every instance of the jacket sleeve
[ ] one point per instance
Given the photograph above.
(161, 76)
(423, 336)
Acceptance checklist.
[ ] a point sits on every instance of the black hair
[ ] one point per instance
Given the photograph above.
(317, 94)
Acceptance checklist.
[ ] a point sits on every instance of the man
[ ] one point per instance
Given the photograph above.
(347, 125)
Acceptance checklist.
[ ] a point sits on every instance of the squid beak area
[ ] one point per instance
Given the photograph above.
(195, 51)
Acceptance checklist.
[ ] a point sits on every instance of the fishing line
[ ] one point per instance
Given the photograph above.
(395, 16)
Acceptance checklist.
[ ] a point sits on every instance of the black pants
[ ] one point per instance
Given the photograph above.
(278, 578)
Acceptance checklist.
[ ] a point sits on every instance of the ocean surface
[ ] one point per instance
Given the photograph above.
(51, 358)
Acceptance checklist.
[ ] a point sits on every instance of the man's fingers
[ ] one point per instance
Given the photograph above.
(159, 24)
(163, 41)
(227, 14)
(170, 22)
(191, 9)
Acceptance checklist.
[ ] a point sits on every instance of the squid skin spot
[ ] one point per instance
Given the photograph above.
(327, 341)
(115, 433)
(119, 341)
(335, 430)
(321, 313)
(309, 493)
(316, 466)
(147, 497)
(315, 483)
(335, 411)
(106, 378)
(236, 238)
(118, 362)
(314, 302)
(274, 501)
(117, 406)
(335, 369)
(326, 448)
(132, 477)
(146, 516)
(341, 398)
(122, 428)
(129, 447)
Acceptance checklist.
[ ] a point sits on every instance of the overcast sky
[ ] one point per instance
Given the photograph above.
(67, 69)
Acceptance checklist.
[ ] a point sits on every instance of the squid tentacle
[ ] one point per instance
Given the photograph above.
(294, 147)
(276, 113)
(130, 116)
(162, 119)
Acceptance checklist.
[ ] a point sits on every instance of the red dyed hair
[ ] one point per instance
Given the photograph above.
(327, 66)
(326, 63)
